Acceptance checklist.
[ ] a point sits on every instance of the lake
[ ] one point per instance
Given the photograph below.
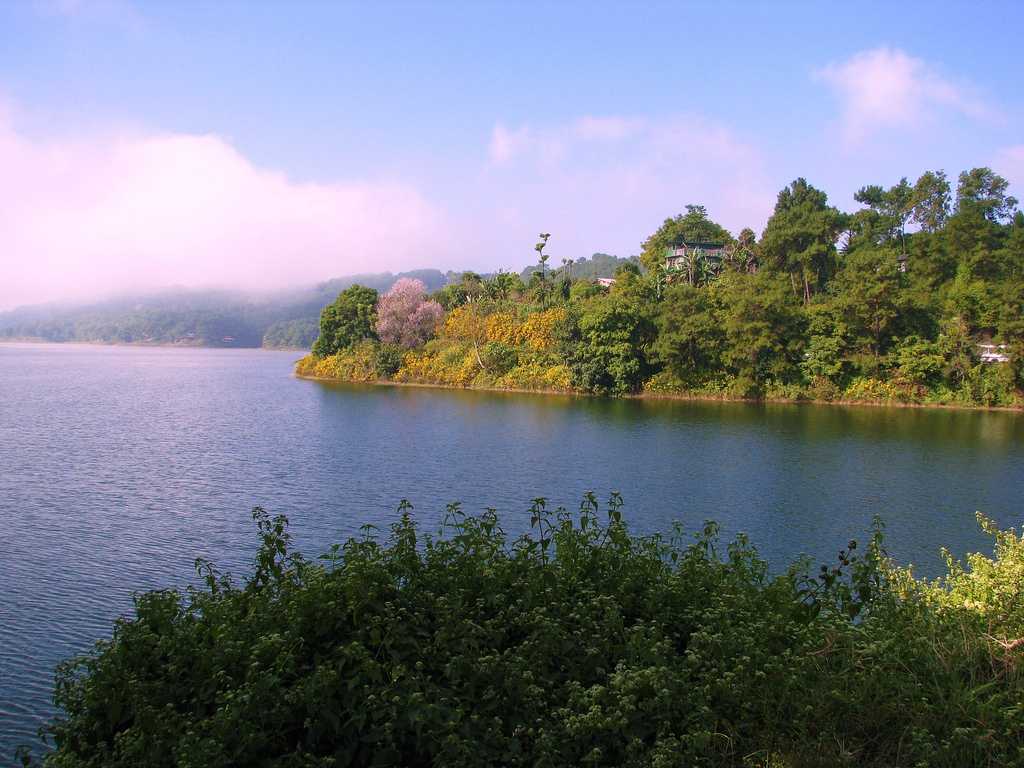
(119, 466)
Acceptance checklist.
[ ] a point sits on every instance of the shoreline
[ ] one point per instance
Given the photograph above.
(673, 396)
(144, 344)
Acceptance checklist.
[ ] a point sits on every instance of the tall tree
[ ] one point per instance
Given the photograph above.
(800, 237)
(763, 327)
(892, 208)
(349, 319)
(869, 298)
(931, 201)
(975, 232)
(984, 191)
(690, 335)
(542, 258)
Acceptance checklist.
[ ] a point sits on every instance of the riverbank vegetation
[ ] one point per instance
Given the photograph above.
(916, 297)
(576, 644)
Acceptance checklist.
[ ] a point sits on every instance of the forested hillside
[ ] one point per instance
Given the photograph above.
(917, 296)
(286, 319)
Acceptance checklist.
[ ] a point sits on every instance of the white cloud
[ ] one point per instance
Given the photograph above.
(88, 217)
(886, 87)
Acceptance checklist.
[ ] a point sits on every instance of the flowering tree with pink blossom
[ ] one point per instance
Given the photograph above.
(405, 316)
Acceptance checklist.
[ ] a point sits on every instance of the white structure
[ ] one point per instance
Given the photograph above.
(606, 282)
(993, 353)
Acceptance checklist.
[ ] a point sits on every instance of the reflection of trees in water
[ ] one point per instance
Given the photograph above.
(956, 427)
(952, 427)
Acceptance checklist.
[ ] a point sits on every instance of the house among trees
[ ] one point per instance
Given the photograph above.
(698, 261)
(993, 353)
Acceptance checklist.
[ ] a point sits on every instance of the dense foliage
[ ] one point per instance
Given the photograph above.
(579, 644)
(916, 297)
(348, 320)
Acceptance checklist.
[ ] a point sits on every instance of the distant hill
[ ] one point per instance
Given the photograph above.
(287, 319)
(598, 265)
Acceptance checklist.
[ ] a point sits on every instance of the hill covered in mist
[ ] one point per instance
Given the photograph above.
(189, 317)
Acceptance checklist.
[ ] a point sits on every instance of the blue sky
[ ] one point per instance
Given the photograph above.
(158, 143)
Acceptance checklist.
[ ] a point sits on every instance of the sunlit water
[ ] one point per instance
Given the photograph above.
(120, 466)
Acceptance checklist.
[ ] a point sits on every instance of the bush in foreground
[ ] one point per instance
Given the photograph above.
(579, 644)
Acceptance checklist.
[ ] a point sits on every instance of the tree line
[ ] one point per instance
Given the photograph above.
(898, 300)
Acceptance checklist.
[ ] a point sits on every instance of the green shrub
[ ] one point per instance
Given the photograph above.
(388, 360)
(917, 361)
(498, 357)
(579, 644)
(991, 384)
(781, 391)
(870, 390)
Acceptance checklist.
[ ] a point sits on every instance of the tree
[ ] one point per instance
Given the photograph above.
(891, 207)
(800, 237)
(743, 257)
(958, 350)
(763, 328)
(542, 258)
(931, 201)
(975, 232)
(503, 286)
(1011, 324)
(405, 316)
(869, 299)
(984, 191)
(693, 226)
(349, 319)
(607, 351)
(690, 335)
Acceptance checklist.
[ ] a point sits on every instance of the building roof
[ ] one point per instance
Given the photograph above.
(704, 244)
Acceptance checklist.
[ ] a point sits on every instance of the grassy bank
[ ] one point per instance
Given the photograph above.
(359, 368)
(579, 644)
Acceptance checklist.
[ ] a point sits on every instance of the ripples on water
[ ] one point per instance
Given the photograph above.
(120, 466)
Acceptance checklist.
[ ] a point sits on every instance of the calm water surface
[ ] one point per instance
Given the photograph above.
(120, 466)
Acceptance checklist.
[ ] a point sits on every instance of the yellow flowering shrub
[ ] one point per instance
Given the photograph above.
(440, 363)
(355, 364)
(534, 375)
(871, 389)
(466, 353)
(466, 323)
(307, 365)
(505, 328)
(538, 331)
